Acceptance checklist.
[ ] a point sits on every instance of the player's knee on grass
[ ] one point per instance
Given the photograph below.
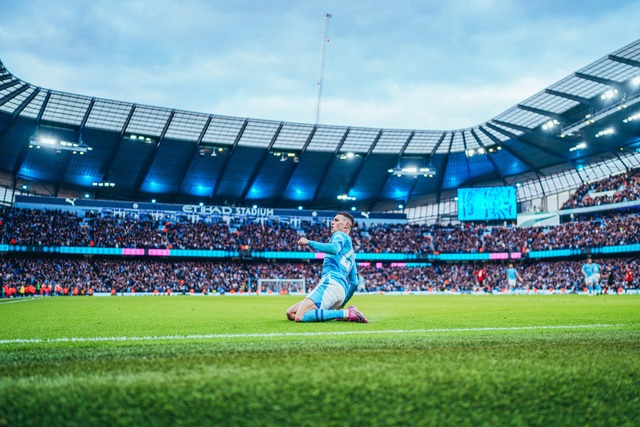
(298, 316)
(304, 306)
(301, 312)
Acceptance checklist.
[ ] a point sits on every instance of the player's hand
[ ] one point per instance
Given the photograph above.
(303, 241)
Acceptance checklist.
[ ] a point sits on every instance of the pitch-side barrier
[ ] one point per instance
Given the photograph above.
(398, 293)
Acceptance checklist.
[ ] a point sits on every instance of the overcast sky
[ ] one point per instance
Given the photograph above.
(417, 64)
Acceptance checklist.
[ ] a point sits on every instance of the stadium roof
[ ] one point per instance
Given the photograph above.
(127, 151)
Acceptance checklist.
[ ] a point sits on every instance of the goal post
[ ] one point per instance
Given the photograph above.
(281, 286)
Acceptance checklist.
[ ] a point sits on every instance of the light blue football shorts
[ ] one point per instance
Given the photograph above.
(328, 294)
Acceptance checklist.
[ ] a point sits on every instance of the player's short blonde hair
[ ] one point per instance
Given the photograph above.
(348, 216)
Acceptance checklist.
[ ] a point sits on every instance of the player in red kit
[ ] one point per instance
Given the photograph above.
(481, 277)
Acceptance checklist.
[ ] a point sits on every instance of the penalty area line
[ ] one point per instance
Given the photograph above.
(297, 334)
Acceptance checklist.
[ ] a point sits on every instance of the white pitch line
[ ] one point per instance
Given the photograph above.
(17, 300)
(296, 334)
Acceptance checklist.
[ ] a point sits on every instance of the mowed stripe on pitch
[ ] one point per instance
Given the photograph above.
(298, 334)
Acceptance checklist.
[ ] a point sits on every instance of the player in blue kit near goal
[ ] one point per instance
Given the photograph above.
(589, 276)
(512, 277)
(339, 278)
(597, 289)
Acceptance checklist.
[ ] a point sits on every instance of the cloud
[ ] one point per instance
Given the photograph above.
(433, 107)
(411, 64)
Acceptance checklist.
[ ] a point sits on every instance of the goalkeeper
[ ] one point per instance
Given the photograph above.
(339, 278)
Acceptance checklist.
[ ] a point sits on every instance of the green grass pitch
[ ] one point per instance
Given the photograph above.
(562, 360)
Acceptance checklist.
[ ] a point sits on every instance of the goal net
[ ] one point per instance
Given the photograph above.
(281, 286)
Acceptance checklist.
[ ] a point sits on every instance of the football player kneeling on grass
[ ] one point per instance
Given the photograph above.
(339, 278)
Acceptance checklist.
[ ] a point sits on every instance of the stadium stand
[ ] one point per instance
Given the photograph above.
(66, 228)
(56, 274)
(47, 227)
(577, 181)
(616, 189)
(178, 276)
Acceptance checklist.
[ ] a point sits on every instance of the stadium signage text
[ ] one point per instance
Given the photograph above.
(107, 206)
(226, 210)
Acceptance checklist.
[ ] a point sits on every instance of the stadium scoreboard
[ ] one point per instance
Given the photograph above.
(487, 203)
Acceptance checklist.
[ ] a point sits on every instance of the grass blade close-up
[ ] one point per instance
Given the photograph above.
(422, 360)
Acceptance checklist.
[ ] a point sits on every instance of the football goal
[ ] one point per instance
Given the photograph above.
(281, 286)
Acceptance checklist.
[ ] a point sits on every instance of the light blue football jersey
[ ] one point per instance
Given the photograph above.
(339, 260)
(588, 269)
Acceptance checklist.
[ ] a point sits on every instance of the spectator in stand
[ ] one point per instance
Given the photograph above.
(626, 187)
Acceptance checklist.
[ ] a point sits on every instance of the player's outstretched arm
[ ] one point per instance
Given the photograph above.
(328, 248)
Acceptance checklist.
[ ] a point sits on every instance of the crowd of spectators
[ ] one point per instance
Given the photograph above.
(121, 275)
(164, 231)
(458, 238)
(141, 230)
(35, 227)
(610, 230)
(615, 189)
(80, 276)
(460, 277)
